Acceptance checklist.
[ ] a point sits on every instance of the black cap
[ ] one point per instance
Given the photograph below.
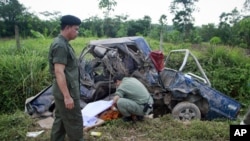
(70, 20)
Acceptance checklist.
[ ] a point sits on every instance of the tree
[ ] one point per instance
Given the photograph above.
(207, 31)
(11, 12)
(92, 27)
(123, 26)
(140, 26)
(230, 18)
(50, 26)
(244, 31)
(227, 21)
(146, 23)
(110, 27)
(163, 23)
(108, 5)
(183, 20)
(246, 5)
(174, 36)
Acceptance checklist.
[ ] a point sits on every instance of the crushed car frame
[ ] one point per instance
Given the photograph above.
(185, 95)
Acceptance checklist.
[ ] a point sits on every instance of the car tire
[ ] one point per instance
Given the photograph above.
(186, 111)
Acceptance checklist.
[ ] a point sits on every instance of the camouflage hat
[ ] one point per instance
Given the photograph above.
(70, 20)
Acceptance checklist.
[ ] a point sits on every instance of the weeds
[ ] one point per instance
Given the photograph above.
(24, 73)
(165, 128)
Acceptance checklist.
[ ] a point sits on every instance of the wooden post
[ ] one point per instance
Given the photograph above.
(17, 37)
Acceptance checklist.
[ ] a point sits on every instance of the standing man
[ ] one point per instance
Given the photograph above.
(66, 84)
(132, 98)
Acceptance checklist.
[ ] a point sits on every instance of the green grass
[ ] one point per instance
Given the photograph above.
(15, 126)
(23, 74)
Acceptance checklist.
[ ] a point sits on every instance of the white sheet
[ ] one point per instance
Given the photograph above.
(91, 110)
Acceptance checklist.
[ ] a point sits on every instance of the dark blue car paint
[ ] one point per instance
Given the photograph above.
(220, 105)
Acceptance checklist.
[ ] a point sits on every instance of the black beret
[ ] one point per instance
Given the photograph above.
(70, 20)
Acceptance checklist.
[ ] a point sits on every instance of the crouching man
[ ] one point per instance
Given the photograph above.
(132, 98)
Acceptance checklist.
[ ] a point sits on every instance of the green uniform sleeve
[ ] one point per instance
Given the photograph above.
(59, 54)
(119, 92)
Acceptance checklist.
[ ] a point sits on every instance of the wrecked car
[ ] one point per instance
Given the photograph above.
(185, 95)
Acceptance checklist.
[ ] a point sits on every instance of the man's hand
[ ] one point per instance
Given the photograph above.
(114, 107)
(61, 81)
(69, 103)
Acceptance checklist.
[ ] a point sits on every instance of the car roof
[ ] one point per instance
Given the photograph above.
(115, 40)
(140, 41)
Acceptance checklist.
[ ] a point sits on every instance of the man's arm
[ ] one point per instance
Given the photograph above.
(61, 81)
(115, 99)
(114, 106)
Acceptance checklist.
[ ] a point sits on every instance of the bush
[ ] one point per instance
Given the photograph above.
(228, 70)
(21, 76)
(215, 40)
(24, 72)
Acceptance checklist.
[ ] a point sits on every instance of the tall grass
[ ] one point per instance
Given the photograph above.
(228, 70)
(14, 127)
(24, 73)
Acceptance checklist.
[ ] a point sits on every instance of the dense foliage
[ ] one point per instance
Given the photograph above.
(233, 28)
(24, 72)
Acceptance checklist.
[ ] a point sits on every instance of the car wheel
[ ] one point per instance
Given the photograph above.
(186, 111)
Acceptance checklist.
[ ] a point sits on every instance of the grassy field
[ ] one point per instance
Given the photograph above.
(14, 126)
